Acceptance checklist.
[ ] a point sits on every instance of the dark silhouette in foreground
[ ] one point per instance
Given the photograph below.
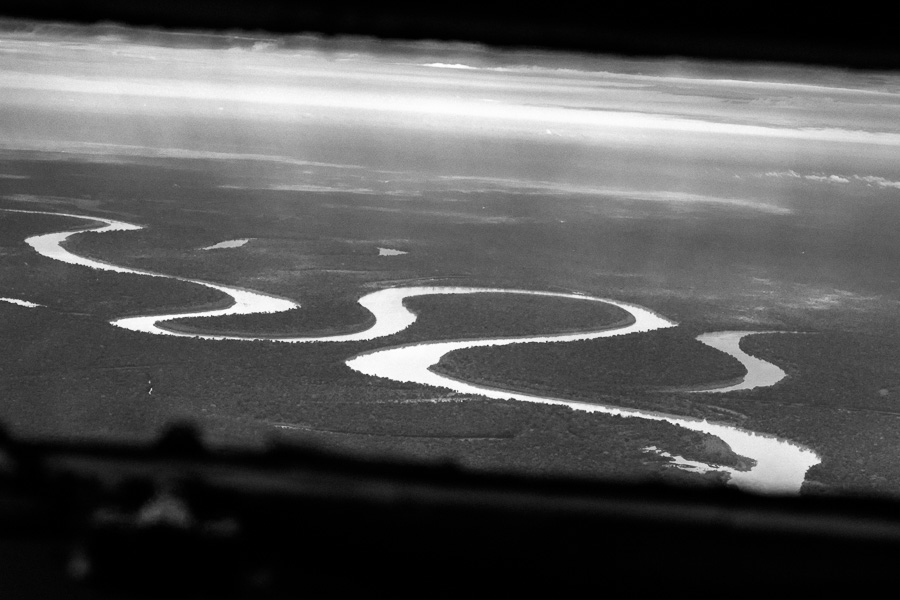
(175, 518)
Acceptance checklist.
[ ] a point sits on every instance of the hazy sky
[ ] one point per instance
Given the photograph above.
(540, 120)
(91, 73)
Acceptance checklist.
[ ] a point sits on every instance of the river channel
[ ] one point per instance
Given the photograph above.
(781, 465)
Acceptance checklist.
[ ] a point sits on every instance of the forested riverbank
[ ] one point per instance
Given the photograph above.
(496, 434)
(610, 366)
(54, 383)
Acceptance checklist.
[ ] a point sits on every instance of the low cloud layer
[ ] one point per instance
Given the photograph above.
(414, 186)
(871, 180)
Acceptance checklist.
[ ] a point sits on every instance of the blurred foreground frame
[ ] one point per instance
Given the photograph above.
(173, 519)
(183, 520)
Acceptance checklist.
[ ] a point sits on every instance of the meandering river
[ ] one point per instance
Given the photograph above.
(780, 464)
(760, 373)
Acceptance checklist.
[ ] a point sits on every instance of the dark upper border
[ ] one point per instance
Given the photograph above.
(848, 35)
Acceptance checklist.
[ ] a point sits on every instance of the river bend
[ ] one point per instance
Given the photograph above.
(780, 464)
(760, 373)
